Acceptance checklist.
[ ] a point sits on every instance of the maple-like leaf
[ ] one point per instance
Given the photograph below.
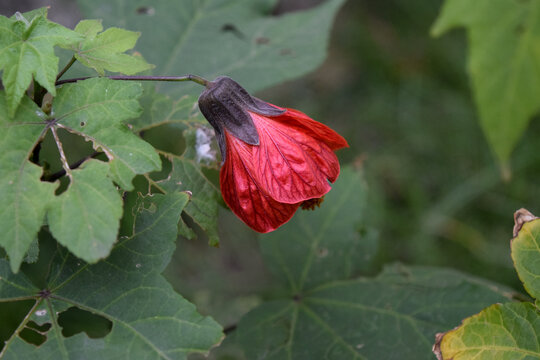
(149, 319)
(27, 51)
(104, 50)
(96, 109)
(24, 197)
(330, 310)
(85, 217)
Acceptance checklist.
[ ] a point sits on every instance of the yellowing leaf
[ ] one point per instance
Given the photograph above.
(526, 256)
(501, 331)
(508, 330)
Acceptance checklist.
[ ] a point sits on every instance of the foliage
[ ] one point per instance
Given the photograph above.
(503, 64)
(27, 50)
(66, 197)
(508, 330)
(101, 177)
(127, 289)
(239, 39)
(327, 310)
(104, 51)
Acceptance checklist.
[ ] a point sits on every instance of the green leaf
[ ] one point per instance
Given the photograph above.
(97, 109)
(502, 331)
(187, 170)
(86, 217)
(24, 197)
(526, 253)
(328, 313)
(393, 316)
(240, 39)
(159, 110)
(27, 51)
(187, 175)
(325, 244)
(33, 252)
(104, 51)
(504, 63)
(149, 319)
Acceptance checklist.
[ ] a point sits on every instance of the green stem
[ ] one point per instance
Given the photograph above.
(68, 65)
(197, 79)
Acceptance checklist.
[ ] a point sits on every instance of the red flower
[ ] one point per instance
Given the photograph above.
(274, 158)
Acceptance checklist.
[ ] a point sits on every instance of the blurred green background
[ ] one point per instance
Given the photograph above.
(402, 100)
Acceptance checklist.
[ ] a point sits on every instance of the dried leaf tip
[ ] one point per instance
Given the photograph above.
(521, 217)
(436, 349)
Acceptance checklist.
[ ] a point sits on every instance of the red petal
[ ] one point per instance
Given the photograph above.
(303, 123)
(289, 164)
(244, 196)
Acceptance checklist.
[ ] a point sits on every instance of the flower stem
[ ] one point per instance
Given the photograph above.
(197, 79)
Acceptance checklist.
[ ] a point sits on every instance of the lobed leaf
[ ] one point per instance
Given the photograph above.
(328, 313)
(504, 64)
(86, 217)
(240, 39)
(27, 51)
(501, 331)
(392, 316)
(25, 198)
(96, 109)
(105, 51)
(149, 319)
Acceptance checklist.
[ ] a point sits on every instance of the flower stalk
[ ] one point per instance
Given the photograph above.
(194, 78)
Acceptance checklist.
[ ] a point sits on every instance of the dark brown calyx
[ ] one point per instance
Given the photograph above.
(226, 106)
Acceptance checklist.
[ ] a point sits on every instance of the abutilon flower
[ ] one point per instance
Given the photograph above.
(274, 159)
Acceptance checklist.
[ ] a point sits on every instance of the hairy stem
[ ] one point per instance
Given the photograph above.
(197, 79)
